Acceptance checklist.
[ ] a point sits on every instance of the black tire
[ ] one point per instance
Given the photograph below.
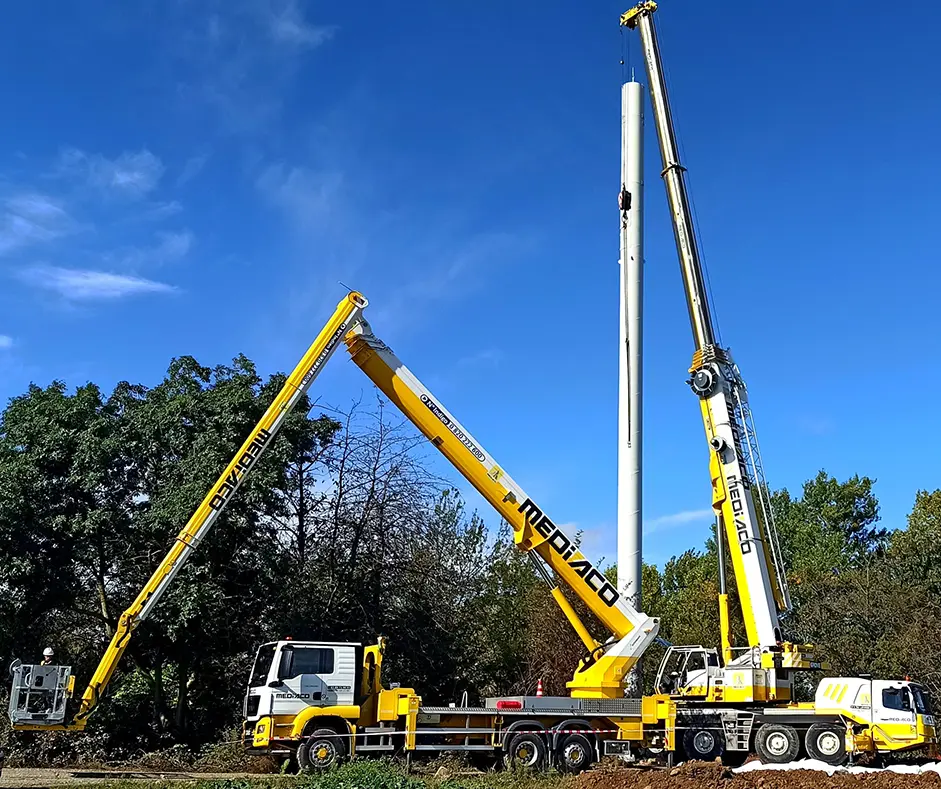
(575, 753)
(526, 751)
(704, 744)
(321, 751)
(827, 743)
(777, 743)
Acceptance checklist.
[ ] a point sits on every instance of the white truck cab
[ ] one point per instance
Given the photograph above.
(290, 675)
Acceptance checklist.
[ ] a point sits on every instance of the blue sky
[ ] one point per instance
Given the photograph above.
(195, 177)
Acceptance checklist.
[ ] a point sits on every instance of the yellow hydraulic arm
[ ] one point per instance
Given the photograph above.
(601, 675)
(297, 384)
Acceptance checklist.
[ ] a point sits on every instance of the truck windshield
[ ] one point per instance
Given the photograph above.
(262, 664)
(922, 705)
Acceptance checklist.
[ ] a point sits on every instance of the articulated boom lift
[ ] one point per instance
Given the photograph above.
(307, 698)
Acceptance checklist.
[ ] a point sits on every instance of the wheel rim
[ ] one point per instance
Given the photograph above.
(777, 743)
(829, 743)
(574, 754)
(322, 754)
(704, 742)
(525, 754)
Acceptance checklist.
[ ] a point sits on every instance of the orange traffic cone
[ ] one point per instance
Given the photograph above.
(539, 687)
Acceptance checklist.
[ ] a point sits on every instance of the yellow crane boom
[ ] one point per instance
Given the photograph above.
(215, 501)
(601, 675)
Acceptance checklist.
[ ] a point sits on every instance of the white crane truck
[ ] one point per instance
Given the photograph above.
(736, 701)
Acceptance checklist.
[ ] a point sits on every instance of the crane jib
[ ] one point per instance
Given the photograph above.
(563, 546)
(459, 434)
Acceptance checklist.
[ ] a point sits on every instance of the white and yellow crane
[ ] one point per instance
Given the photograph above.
(739, 700)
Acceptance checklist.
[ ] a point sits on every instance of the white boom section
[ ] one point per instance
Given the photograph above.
(533, 531)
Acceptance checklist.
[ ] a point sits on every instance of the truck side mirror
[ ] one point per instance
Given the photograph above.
(276, 683)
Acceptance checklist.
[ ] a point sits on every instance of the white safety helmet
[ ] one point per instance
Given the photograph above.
(48, 652)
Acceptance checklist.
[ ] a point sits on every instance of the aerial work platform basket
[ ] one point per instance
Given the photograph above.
(39, 694)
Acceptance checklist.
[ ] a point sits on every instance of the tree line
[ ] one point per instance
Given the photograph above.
(342, 532)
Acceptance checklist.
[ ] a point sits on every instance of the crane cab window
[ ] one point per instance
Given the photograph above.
(305, 660)
(262, 664)
(696, 661)
(922, 704)
(896, 699)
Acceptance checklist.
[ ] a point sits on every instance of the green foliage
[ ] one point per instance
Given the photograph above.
(342, 532)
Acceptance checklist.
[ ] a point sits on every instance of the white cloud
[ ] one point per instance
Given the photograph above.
(286, 25)
(158, 211)
(87, 285)
(6, 341)
(174, 246)
(665, 522)
(305, 195)
(193, 167)
(30, 218)
(170, 247)
(132, 174)
(447, 270)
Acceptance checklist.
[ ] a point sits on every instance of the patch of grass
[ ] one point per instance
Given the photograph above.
(363, 774)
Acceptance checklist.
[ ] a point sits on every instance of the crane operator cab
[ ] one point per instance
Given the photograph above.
(688, 671)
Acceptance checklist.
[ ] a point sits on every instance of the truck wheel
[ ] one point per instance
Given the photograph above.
(703, 744)
(321, 751)
(526, 751)
(826, 742)
(776, 743)
(575, 753)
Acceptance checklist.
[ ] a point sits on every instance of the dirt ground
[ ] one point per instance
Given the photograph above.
(693, 775)
(702, 775)
(32, 778)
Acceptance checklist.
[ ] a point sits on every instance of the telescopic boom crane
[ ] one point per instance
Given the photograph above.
(600, 675)
(740, 495)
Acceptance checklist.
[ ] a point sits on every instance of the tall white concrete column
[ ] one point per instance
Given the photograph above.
(630, 410)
